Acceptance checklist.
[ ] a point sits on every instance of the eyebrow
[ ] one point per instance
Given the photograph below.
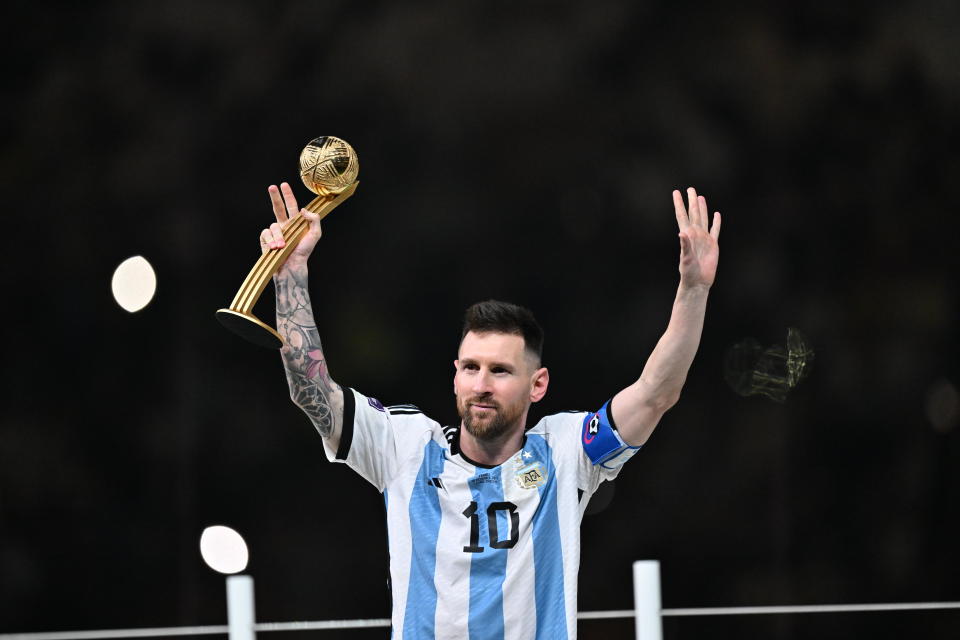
(503, 365)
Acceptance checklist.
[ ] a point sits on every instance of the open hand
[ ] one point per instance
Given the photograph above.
(699, 243)
(285, 209)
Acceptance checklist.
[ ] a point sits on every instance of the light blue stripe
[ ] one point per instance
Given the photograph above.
(547, 554)
(424, 511)
(488, 568)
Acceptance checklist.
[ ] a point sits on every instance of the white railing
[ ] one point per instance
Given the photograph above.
(647, 613)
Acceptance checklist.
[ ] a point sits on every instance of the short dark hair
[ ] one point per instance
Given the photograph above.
(495, 316)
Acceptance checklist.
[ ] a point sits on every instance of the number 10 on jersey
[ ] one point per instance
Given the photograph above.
(473, 512)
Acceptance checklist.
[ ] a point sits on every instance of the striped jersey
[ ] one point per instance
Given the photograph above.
(477, 551)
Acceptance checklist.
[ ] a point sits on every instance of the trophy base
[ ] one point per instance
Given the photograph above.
(250, 328)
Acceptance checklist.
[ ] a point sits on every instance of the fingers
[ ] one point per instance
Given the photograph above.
(279, 210)
(693, 206)
(277, 232)
(283, 201)
(715, 229)
(272, 238)
(696, 213)
(698, 209)
(682, 220)
(289, 200)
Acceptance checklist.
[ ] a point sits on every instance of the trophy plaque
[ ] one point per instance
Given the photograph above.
(328, 167)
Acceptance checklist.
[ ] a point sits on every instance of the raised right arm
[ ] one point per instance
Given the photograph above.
(311, 387)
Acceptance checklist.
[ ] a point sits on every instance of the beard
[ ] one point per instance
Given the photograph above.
(490, 425)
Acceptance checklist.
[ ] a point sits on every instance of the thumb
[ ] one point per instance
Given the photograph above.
(313, 219)
(684, 244)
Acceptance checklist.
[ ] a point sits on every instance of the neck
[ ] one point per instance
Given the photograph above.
(491, 452)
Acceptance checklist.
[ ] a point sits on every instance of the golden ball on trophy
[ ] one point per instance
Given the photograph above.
(328, 165)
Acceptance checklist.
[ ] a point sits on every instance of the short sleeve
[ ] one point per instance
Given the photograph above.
(602, 442)
(375, 439)
(603, 451)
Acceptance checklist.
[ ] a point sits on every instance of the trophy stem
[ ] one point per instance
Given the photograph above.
(239, 317)
(268, 264)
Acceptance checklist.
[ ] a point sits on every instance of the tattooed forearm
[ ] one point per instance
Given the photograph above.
(311, 387)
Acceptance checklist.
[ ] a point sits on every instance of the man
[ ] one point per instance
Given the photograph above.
(484, 517)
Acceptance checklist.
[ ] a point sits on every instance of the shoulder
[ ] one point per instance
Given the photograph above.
(372, 406)
(411, 424)
(403, 410)
(402, 417)
(406, 415)
(561, 420)
(563, 417)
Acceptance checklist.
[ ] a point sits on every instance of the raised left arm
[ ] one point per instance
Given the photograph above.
(638, 408)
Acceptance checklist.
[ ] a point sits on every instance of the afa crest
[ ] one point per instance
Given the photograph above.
(531, 476)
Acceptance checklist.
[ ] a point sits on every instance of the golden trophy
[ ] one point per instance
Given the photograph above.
(328, 167)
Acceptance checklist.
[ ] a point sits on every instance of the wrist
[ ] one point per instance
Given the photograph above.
(293, 265)
(693, 288)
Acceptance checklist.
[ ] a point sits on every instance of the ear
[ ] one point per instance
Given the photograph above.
(541, 378)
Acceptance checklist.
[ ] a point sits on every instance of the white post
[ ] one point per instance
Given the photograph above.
(646, 599)
(240, 615)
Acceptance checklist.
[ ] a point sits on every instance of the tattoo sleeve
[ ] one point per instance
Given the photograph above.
(311, 387)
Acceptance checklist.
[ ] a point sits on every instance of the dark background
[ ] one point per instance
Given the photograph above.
(524, 151)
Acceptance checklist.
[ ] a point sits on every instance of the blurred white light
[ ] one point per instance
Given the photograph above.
(134, 283)
(943, 405)
(223, 549)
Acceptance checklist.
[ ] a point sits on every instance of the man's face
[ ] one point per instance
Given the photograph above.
(495, 382)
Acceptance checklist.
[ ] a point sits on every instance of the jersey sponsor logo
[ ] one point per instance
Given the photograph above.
(373, 402)
(591, 428)
(531, 475)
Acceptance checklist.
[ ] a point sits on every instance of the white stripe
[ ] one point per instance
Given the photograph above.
(564, 441)
(519, 602)
(452, 577)
(398, 524)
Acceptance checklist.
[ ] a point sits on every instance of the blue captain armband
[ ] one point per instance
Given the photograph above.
(602, 442)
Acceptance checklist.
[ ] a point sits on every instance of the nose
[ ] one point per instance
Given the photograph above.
(481, 383)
